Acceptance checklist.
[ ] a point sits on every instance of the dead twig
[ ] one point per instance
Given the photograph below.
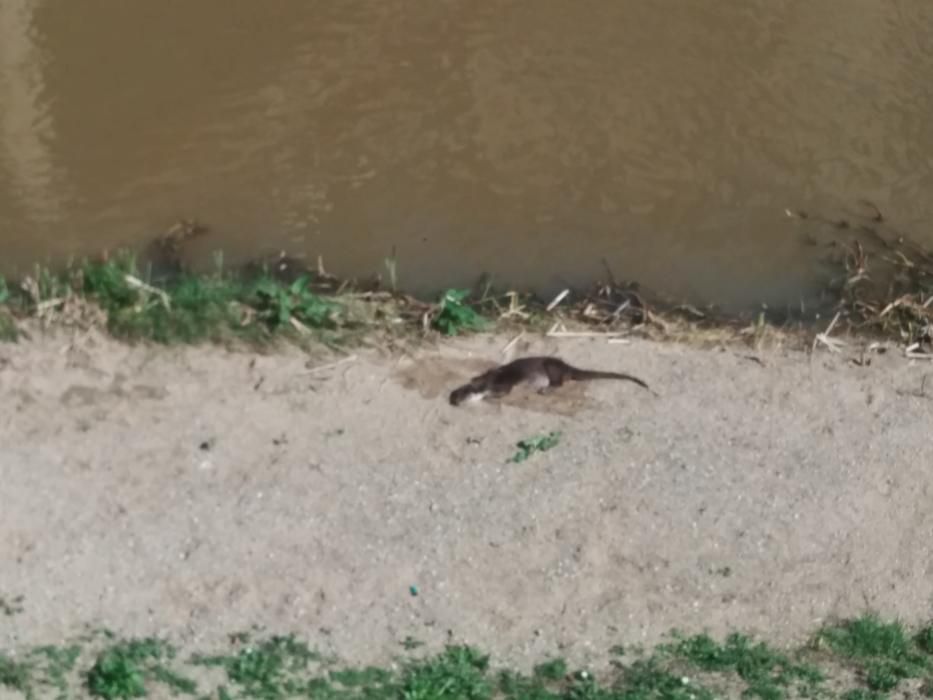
(515, 308)
(585, 334)
(557, 300)
(299, 326)
(512, 343)
(621, 307)
(912, 352)
(331, 365)
(138, 284)
(831, 344)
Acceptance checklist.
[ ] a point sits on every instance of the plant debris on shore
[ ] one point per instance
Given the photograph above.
(881, 288)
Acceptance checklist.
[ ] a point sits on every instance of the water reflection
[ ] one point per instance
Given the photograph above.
(530, 140)
(35, 185)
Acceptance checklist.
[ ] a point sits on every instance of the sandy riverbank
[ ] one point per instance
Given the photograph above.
(195, 491)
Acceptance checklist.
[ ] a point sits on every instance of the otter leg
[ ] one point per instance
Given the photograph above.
(555, 378)
(539, 381)
(499, 390)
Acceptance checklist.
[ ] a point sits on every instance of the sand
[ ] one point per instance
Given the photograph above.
(194, 492)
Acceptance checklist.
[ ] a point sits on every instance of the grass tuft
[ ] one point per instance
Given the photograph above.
(278, 305)
(510, 684)
(883, 652)
(924, 639)
(8, 330)
(265, 670)
(862, 694)
(867, 636)
(457, 672)
(529, 446)
(14, 674)
(9, 333)
(647, 679)
(552, 670)
(368, 677)
(122, 670)
(56, 665)
(766, 671)
(455, 315)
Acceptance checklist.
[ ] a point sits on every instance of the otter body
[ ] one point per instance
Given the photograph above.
(541, 373)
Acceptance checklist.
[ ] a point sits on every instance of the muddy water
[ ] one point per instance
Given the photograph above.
(529, 139)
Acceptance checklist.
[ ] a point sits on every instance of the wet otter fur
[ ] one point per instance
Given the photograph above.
(543, 373)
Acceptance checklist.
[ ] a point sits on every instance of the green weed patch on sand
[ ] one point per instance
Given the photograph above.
(883, 653)
(529, 446)
(885, 657)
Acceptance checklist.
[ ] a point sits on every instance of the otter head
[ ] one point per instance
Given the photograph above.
(465, 393)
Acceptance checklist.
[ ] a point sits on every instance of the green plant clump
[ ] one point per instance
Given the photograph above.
(457, 672)
(766, 671)
(14, 674)
(8, 330)
(197, 308)
(883, 652)
(122, 670)
(456, 316)
(529, 446)
(270, 669)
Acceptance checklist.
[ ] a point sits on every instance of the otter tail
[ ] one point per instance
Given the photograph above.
(587, 374)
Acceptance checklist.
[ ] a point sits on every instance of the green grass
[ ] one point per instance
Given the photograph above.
(15, 675)
(124, 669)
(455, 315)
(883, 653)
(862, 694)
(7, 324)
(361, 677)
(54, 665)
(256, 305)
(270, 669)
(767, 672)
(552, 670)
(457, 672)
(219, 306)
(867, 636)
(8, 330)
(924, 639)
(9, 333)
(529, 446)
(194, 309)
(649, 679)
(883, 656)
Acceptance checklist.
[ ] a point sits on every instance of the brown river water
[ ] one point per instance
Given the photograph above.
(528, 139)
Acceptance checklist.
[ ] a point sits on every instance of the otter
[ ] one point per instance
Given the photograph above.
(542, 373)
